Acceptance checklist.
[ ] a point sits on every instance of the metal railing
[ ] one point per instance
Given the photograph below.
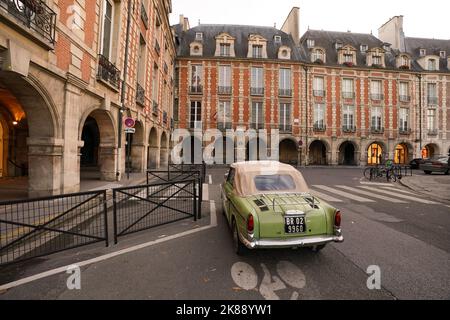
(433, 132)
(42, 226)
(377, 96)
(34, 14)
(319, 93)
(405, 131)
(140, 94)
(157, 47)
(256, 126)
(432, 101)
(224, 89)
(256, 91)
(349, 128)
(403, 98)
(285, 128)
(196, 89)
(285, 92)
(224, 125)
(319, 127)
(155, 108)
(348, 95)
(108, 72)
(144, 15)
(377, 130)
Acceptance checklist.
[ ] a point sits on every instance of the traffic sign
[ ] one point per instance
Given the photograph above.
(130, 130)
(129, 122)
(300, 143)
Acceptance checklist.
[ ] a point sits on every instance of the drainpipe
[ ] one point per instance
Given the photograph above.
(306, 116)
(420, 113)
(123, 108)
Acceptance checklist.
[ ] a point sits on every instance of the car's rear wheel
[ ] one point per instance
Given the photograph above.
(239, 248)
(316, 249)
(427, 172)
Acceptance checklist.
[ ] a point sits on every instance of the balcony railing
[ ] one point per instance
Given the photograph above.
(348, 95)
(432, 132)
(165, 118)
(256, 126)
(404, 131)
(257, 91)
(144, 15)
(196, 89)
(319, 127)
(349, 128)
(377, 96)
(376, 130)
(157, 47)
(224, 125)
(155, 108)
(33, 14)
(285, 92)
(319, 93)
(166, 68)
(403, 98)
(224, 89)
(432, 101)
(108, 72)
(140, 95)
(286, 128)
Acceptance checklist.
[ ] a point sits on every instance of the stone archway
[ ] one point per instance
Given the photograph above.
(376, 153)
(164, 151)
(347, 154)
(288, 152)
(430, 150)
(98, 153)
(403, 153)
(153, 153)
(34, 140)
(318, 153)
(136, 152)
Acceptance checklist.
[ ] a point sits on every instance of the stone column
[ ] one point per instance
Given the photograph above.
(138, 157)
(107, 157)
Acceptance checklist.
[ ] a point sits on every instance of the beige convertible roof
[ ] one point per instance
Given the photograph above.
(244, 183)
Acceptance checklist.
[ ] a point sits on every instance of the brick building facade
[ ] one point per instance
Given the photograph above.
(338, 98)
(70, 72)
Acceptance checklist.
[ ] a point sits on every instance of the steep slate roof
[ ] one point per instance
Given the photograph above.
(328, 39)
(241, 34)
(433, 47)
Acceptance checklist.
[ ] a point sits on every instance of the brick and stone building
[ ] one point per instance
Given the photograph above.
(70, 72)
(338, 98)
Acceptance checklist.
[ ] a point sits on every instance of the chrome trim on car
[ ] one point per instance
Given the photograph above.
(292, 242)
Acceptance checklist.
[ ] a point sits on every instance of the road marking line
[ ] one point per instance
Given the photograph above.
(343, 194)
(324, 196)
(210, 179)
(366, 193)
(404, 197)
(398, 190)
(111, 255)
(376, 183)
(205, 192)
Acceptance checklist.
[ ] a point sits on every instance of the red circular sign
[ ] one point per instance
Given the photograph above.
(300, 143)
(129, 122)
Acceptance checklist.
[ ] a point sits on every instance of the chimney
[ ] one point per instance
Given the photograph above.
(184, 23)
(392, 32)
(292, 25)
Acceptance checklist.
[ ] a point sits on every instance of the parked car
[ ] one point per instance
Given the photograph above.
(439, 164)
(415, 163)
(268, 205)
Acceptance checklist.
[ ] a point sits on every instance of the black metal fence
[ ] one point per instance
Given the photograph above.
(140, 208)
(402, 171)
(37, 227)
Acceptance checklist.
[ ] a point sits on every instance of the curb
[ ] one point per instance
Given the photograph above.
(431, 195)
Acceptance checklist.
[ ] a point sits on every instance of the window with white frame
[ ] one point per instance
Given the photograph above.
(257, 118)
(431, 65)
(199, 36)
(364, 47)
(443, 54)
(376, 60)
(376, 90)
(257, 51)
(319, 116)
(108, 14)
(155, 84)
(317, 55)
(196, 78)
(348, 58)
(284, 84)
(431, 119)
(225, 49)
(348, 118)
(404, 61)
(285, 116)
(376, 119)
(318, 87)
(404, 119)
(423, 52)
(404, 91)
(310, 43)
(224, 115)
(432, 93)
(196, 115)
(225, 79)
(277, 39)
(257, 80)
(348, 90)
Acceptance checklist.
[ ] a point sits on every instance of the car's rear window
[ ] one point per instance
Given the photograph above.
(277, 182)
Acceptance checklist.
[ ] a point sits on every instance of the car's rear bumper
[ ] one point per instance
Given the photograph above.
(291, 242)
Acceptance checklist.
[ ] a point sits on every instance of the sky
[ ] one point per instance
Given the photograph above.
(360, 16)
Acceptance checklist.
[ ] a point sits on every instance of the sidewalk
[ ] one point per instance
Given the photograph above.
(436, 186)
(93, 185)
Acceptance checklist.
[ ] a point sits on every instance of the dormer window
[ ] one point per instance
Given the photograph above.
(376, 60)
(225, 49)
(257, 46)
(284, 53)
(423, 52)
(196, 49)
(224, 45)
(386, 47)
(199, 36)
(348, 58)
(318, 56)
(257, 51)
(442, 54)
(338, 45)
(277, 39)
(403, 62)
(311, 43)
(364, 47)
(431, 65)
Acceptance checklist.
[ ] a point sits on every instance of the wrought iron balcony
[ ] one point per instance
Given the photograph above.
(108, 72)
(349, 128)
(257, 91)
(256, 126)
(403, 98)
(318, 127)
(196, 89)
(224, 125)
(285, 128)
(405, 131)
(432, 101)
(165, 118)
(144, 15)
(140, 95)
(377, 96)
(432, 132)
(348, 95)
(285, 92)
(224, 89)
(155, 108)
(33, 14)
(319, 93)
(377, 130)
(157, 47)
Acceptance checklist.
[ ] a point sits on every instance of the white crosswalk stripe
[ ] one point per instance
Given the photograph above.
(324, 196)
(402, 196)
(370, 194)
(343, 193)
(398, 190)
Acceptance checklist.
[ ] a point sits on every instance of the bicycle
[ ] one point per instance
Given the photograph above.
(373, 173)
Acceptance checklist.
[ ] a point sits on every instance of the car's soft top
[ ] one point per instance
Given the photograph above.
(244, 179)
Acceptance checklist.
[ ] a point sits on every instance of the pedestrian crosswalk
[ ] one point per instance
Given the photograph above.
(366, 193)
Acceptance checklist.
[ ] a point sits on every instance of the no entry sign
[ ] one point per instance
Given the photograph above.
(129, 122)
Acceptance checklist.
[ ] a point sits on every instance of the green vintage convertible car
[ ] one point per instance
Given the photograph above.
(268, 205)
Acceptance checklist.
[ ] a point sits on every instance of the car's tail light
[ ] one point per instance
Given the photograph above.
(337, 219)
(250, 224)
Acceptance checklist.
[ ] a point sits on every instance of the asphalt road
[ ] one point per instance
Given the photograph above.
(405, 234)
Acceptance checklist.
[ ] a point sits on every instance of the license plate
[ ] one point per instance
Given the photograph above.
(294, 225)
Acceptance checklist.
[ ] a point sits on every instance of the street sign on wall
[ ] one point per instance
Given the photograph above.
(130, 130)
